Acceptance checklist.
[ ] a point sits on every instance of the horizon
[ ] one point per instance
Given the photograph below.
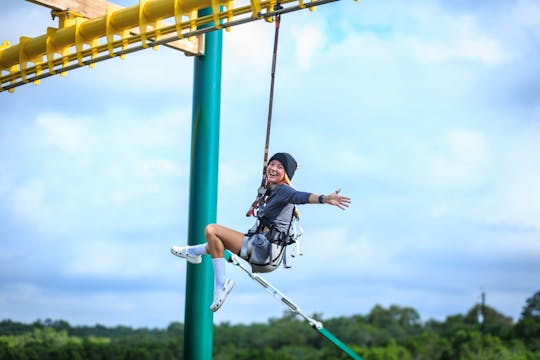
(285, 313)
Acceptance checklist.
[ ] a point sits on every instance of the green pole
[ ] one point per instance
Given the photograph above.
(199, 320)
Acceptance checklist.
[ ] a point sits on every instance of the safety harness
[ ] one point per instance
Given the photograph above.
(277, 237)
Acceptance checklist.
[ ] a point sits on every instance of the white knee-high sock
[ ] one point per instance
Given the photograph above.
(197, 249)
(219, 273)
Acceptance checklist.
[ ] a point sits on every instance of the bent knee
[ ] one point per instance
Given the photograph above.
(210, 230)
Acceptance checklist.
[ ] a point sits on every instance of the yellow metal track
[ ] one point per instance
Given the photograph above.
(89, 41)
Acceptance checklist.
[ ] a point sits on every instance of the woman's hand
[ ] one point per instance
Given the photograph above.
(338, 200)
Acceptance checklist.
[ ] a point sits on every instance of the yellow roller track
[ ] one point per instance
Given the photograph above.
(86, 41)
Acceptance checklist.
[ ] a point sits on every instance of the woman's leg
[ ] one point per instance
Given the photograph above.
(220, 238)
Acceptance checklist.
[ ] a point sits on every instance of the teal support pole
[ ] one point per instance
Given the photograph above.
(199, 320)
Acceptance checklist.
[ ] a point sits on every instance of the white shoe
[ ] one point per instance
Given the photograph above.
(182, 252)
(221, 294)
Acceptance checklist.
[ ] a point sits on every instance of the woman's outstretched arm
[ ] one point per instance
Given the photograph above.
(334, 198)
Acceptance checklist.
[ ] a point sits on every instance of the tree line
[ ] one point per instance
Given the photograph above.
(383, 334)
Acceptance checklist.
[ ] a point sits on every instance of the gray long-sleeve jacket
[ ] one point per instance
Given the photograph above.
(279, 206)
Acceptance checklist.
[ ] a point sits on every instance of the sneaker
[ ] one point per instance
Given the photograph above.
(221, 294)
(182, 252)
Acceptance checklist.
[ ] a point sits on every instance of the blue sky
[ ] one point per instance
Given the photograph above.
(426, 113)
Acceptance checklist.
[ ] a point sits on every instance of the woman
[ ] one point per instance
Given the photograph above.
(264, 245)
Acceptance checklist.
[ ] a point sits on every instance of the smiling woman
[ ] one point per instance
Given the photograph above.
(264, 244)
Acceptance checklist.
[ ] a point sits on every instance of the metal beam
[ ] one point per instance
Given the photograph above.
(99, 39)
(86, 8)
(95, 8)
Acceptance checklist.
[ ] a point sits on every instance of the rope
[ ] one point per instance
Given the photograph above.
(262, 189)
(277, 21)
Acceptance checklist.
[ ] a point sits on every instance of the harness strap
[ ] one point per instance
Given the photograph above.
(276, 237)
(285, 265)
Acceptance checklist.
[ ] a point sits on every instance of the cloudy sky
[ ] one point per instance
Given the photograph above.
(426, 113)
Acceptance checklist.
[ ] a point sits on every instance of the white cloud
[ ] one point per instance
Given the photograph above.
(527, 15)
(233, 176)
(469, 146)
(28, 302)
(348, 255)
(117, 259)
(102, 166)
(30, 205)
(345, 158)
(463, 41)
(514, 198)
(310, 40)
(158, 168)
(518, 201)
(435, 35)
(459, 161)
(5, 181)
(68, 134)
(247, 52)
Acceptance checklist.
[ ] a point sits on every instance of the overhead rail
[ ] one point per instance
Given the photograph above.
(68, 11)
(89, 41)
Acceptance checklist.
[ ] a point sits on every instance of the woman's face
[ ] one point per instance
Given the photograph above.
(275, 172)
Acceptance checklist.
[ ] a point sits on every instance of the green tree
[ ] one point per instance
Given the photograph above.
(493, 322)
(393, 323)
(475, 346)
(428, 345)
(392, 351)
(528, 326)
